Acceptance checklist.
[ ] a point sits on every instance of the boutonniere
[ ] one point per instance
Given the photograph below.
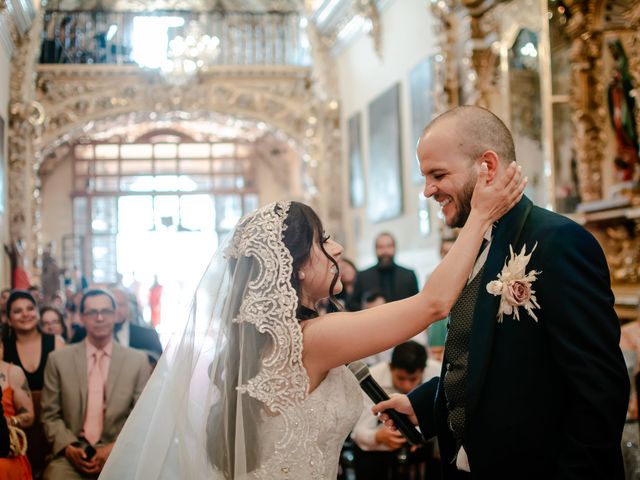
(514, 286)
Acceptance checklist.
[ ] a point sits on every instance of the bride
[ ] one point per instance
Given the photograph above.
(256, 386)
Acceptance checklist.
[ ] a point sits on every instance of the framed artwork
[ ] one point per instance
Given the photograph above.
(384, 185)
(356, 174)
(2, 180)
(421, 94)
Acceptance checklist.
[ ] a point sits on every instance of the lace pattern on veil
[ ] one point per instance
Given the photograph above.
(270, 304)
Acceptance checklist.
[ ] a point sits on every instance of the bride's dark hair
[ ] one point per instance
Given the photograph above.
(303, 228)
(229, 370)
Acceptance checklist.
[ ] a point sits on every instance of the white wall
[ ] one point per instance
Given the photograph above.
(57, 206)
(5, 68)
(408, 38)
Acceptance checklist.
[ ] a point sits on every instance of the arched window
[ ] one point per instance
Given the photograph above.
(163, 181)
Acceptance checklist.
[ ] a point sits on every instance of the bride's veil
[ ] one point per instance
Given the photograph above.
(237, 364)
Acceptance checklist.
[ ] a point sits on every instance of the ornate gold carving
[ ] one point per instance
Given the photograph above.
(446, 86)
(25, 128)
(369, 10)
(587, 99)
(622, 245)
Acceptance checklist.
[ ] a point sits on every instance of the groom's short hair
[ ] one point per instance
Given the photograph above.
(479, 130)
(409, 356)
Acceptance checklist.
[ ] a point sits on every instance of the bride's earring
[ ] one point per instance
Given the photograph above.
(301, 275)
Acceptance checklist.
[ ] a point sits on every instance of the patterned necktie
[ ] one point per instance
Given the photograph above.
(94, 419)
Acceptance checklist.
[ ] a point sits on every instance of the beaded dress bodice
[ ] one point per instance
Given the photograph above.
(331, 411)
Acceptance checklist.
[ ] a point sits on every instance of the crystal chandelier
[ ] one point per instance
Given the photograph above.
(189, 54)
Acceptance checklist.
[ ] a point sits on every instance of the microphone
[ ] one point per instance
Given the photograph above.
(377, 394)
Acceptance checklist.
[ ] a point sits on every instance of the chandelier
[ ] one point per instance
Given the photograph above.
(189, 54)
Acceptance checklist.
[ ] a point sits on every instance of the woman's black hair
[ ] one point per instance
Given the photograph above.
(16, 295)
(303, 227)
(57, 311)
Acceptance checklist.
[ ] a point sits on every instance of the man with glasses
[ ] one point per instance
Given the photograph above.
(89, 390)
(127, 333)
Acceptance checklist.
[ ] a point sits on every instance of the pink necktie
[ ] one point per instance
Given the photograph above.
(95, 401)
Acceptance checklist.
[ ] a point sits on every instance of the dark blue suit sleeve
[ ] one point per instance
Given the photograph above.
(584, 333)
(423, 401)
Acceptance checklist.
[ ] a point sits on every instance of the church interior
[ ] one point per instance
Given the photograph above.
(223, 106)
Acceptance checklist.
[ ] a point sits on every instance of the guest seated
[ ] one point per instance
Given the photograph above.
(127, 333)
(110, 377)
(25, 346)
(52, 321)
(383, 453)
(5, 440)
(4, 296)
(348, 274)
(370, 299)
(29, 349)
(17, 407)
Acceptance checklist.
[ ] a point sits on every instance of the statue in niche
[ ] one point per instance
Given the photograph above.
(19, 275)
(622, 112)
(52, 274)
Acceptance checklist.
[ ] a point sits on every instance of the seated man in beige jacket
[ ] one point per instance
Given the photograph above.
(89, 390)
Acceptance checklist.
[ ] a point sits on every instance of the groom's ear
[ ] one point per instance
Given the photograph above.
(493, 162)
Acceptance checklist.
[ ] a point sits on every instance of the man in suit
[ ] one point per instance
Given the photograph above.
(89, 390)
(533, 398)
(394, 281)
(127, 333)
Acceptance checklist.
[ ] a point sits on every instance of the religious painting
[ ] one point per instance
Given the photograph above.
(622, 113)
(356, 174)
(421, 93)
(384, 185)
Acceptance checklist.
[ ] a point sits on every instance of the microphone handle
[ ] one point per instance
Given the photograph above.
(401, 421)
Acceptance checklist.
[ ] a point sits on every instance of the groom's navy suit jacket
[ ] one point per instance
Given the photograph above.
(545, 399)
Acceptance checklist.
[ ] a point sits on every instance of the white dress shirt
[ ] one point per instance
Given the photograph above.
(122, 335)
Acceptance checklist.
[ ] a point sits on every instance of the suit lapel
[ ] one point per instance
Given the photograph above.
(505, 233)
(80, 360)
(117, 361)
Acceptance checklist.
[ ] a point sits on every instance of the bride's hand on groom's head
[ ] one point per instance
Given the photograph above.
(399, 403)
(493, 199)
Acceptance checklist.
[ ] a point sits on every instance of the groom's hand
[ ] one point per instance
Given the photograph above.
(400, 403)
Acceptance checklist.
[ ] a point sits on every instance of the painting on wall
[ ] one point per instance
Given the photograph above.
(421, 93)
(356, 174)
(2, 182)
(384, 185)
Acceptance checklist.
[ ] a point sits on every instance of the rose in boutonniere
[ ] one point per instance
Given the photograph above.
(513, 286)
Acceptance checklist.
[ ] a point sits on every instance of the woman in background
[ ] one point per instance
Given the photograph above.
(26, 347)
(52, 322)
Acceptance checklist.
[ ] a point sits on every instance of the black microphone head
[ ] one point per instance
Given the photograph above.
(359, 369)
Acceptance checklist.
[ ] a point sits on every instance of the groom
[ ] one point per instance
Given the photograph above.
(541, 397)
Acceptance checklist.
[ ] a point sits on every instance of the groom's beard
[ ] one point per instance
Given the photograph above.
(464, 202)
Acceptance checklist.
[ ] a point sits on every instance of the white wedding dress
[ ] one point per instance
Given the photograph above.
(331, 411)
(229, 397)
